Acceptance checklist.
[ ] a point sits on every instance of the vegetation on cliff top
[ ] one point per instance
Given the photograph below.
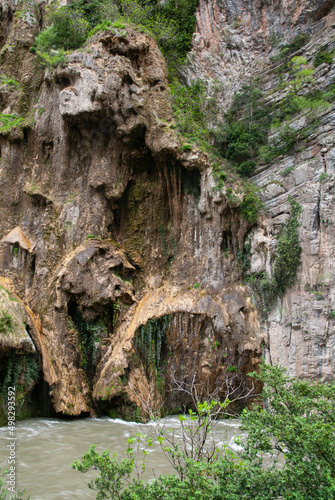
(171, 23)
(297, 422)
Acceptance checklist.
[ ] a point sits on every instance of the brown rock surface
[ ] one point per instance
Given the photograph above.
(102, 229)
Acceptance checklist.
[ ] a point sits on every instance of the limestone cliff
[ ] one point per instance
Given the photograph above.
(111, 230)
(235, 41)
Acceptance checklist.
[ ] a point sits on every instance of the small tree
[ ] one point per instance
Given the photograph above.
(68, 31)
(198, 441)
(297, 421)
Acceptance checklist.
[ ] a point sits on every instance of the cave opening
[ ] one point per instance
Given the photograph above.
(93, 334)
(226, 244)
(63, 82)
(24, 372)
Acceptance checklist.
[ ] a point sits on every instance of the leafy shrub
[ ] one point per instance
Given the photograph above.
(285, 266)
(220, 177)
(53, 58)
(286, 171)
(232, 369)
(8, 122)
(297, 420)
(96, 11)
(298, 41)
(190, 110)
(172, 23)
(245, 130)
(68, 31)
(105, 25)
(6, 322)
(152, 17)
(323, 56)
(285, 50)
(231, 197)
(182, 12)
(288, 251)
(280, 144)
(250, 208)
(293, 104)
(4, 80)
(246, 168)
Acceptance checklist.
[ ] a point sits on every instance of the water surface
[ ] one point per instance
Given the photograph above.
(46, 447)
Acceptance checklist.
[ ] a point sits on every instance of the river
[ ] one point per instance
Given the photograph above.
(46, 447)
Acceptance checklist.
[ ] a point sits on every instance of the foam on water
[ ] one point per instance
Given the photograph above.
(46, 448)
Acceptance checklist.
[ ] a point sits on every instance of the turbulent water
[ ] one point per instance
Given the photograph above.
(46, 447)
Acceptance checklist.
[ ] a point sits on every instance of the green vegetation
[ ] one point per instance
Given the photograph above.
(92, 237)
(21, 371)
(243, 136)
(9, 122)
(232, 369)
(323, 177)
(19, 368)
(90, 334)
(245, 129)
(286, 262)
(250, 207)
(5, 494)
(297, 421)
(171, 23)
(298, 41)
(289, 48)
(220, 177)
(68, 31)
(6, 322)
(150, 339)
(323, 56)
(191, 111)
(4, 80)
(286, 171)
(280, 144)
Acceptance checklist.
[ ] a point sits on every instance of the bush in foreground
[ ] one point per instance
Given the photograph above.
(298, 421)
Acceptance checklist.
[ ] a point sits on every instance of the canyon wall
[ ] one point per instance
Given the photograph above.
(111, 230)
(233, 44)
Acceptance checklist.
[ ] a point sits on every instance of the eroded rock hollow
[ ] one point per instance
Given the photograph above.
(120, 260)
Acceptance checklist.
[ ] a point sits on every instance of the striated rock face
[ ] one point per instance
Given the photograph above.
(233, 39)
(232, 44)
(109, 226)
